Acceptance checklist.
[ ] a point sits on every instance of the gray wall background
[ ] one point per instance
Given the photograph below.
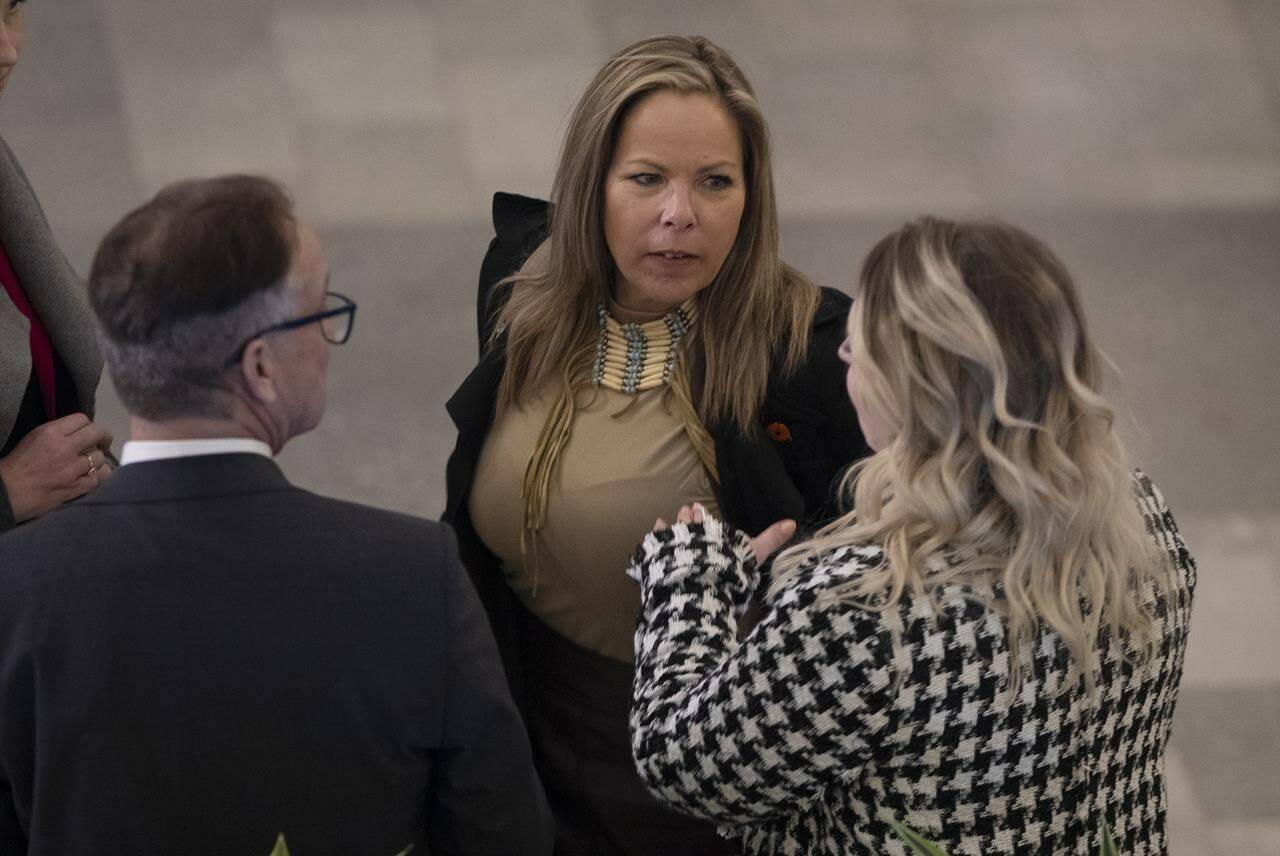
(1140, 139)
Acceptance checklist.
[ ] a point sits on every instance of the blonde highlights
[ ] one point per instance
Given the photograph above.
(1005, 465)
(755, 307)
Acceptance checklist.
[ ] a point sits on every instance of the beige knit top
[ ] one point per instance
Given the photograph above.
(628, 461)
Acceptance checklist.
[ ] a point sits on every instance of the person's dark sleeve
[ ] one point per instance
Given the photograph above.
(7, 519)
(12, 838)
(486, 799)
(17, 719)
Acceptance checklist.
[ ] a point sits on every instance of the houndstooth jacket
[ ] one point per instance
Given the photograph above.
(818, 730)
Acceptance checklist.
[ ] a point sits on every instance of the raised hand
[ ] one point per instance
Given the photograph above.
(763, 545)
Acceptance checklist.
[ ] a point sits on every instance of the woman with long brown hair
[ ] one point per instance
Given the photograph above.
(987, 646)
(642, 346)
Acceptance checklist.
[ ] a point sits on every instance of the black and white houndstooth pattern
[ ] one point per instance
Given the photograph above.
(818, 729)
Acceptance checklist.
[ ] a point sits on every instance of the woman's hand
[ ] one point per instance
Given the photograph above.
(763, 545)
(56, 462)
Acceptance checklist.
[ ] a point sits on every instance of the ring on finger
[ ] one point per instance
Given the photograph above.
(93, 468)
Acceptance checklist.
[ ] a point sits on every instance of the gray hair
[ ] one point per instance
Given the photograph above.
(180, 370)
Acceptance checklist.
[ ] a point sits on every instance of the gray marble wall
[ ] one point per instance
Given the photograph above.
(1140, 138)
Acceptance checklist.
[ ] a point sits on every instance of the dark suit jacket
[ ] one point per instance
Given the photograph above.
(199, 656)
(762, 480)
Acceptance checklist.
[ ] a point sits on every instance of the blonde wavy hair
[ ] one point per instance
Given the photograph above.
(755, 307)
(1004, 464)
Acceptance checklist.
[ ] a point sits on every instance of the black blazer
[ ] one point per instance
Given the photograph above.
(762, 480)
(199, 656)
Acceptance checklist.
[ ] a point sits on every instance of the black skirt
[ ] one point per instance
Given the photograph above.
(577, 708)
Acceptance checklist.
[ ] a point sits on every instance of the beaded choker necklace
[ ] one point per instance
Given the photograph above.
(632, 357)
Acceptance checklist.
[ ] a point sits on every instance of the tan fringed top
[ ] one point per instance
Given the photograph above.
(628, 461)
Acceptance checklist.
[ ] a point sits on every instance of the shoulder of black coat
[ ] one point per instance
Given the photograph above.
(520, 222)
(833, 308)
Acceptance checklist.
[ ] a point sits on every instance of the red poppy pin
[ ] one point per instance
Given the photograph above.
(778, 432)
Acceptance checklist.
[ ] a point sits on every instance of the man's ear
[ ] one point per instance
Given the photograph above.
(259, 370)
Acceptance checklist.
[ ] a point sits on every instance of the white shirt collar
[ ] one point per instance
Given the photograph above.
(139, 451)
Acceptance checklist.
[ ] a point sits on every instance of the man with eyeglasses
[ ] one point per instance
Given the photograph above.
(199, 657)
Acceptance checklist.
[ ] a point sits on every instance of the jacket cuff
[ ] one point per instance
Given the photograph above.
(696, 555)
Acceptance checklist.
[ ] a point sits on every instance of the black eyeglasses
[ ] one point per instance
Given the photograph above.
(336, 320)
